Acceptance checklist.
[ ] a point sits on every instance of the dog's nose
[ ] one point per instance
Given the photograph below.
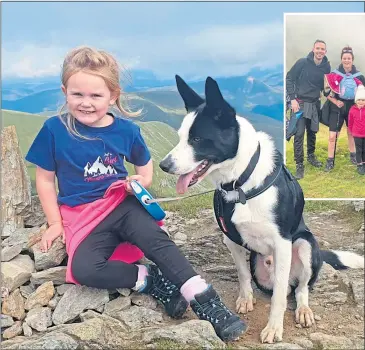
(167, 164)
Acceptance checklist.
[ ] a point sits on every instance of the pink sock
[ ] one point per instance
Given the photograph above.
(142, 274)
(194, 285)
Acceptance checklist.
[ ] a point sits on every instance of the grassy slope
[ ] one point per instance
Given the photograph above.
(342, 182)
(159, 137)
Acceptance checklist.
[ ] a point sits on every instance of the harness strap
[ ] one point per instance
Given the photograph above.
(224, 210)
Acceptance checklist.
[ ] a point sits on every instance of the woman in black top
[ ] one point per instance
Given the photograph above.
(339, 110)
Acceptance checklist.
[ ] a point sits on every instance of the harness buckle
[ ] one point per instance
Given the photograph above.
(242, 196)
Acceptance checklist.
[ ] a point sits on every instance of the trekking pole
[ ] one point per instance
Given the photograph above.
(338, 122)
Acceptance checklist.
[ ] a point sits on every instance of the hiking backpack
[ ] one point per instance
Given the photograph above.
(348, 85)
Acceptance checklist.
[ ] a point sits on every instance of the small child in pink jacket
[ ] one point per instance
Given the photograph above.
(357, 127)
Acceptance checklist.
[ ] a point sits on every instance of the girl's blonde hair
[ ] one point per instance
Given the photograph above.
(96, 62)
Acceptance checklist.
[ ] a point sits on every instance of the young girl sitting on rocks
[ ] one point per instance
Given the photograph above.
(85, 148)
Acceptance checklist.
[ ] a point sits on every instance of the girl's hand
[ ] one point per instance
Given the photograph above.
(54, 230)
(138, 178)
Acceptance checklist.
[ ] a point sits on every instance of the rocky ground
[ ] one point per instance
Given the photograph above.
(40, 311)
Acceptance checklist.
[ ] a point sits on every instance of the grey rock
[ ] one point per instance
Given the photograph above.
(14, 342)
(145, 300)
(88, 315)
(332, 287)
(52, 340)
(326, 341)
(357, 287)
(113, 307)
(180, 236)
(173, 228)
(124, 291)
(358, 205)
(358, 344)
(27, 331)
(15, 182)
(139, 317)
(13, 331)
(41, 296)
(6, 321)
(35, 215)
(54, 301)
(16, 272)
(26, 290)
(99, 333)
(191, 334)
(77, 299)
(39, 318)
(13, 305)
(55, 274)
(23, 237)
(303, 342)
(63, 288)
(100, 309)
(52, 258)
(8, 253)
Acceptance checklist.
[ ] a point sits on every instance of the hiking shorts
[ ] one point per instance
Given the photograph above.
(338, 116)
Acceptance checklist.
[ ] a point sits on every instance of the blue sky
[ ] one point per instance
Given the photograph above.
(193, 39)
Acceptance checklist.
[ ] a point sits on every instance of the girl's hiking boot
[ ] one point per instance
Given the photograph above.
(165, 292)
(209, 307)
(361, 169)
(300, 171)
(330, 164)
(312, 159)
(353, 158)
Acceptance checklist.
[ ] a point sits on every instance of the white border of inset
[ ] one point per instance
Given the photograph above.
(284, 86)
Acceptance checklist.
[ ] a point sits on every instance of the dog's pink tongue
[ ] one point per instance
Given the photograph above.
(183, 182)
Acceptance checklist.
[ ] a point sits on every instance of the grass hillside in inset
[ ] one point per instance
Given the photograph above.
(342, 182)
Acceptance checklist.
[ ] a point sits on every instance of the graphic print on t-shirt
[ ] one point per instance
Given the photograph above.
(100, 169)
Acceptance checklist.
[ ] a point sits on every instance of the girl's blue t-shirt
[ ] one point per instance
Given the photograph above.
(86, 168)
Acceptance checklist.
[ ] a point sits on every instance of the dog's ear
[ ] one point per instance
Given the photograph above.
(215, 101)
(213, 95)
(191, 98)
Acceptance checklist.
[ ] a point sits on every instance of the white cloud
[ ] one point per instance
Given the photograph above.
(337, 30)
(217, 50)
(32, 61)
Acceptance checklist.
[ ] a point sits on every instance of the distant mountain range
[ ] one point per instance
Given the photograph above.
(257, 95)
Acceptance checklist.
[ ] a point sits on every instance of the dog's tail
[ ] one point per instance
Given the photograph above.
(340, 260)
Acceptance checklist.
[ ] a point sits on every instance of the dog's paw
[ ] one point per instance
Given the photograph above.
(244, 305)
(271, 334)
(304, 316)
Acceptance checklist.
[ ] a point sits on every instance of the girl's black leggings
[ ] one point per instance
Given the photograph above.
(128, 222)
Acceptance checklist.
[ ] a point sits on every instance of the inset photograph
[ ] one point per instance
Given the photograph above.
(325, 103)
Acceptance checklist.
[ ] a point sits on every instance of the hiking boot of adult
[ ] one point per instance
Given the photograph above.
(300, 171)
(330, 164)
(353, 158)
(361, 169)
(312, 159)
(167, 293)
(208, 306)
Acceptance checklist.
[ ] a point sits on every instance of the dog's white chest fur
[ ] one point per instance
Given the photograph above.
(255, 222)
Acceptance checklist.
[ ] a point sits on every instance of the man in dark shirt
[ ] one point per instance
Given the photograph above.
(304, 84)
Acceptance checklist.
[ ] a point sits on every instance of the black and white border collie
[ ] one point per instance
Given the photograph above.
(284, 254)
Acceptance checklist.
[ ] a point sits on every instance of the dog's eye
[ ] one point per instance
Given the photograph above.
(196, 139)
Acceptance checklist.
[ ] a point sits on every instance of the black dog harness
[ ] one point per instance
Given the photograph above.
(224, 210)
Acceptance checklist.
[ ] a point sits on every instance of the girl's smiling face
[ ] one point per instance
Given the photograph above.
(360, 103)
(88, 99)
